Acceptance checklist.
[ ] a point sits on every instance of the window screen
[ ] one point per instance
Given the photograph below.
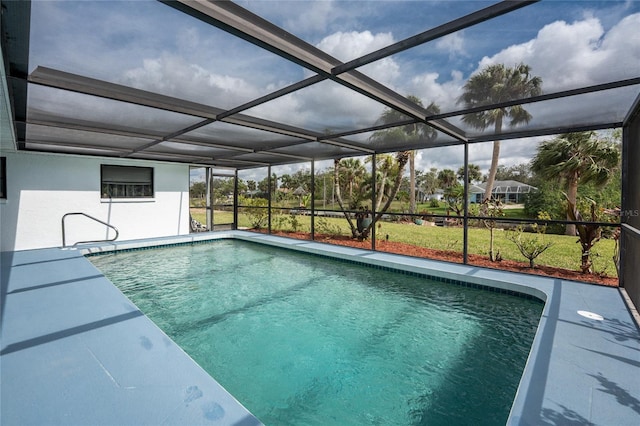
(126, 181)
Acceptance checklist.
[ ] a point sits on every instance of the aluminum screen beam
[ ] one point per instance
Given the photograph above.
(52, 145)
(348, 146)
(245, 162)
(269, 126)
(118, 151)
(474, 18)
(458, 24)
(371, 129)
(280, 154)
(274, 95)
(130, 133)
(374, 90)
(58, 147)
(238, 21)
(90, 86)
(545, 97)
(67, 81)
(85, 127)
(547, 131)
(171, 136)
(250, 27)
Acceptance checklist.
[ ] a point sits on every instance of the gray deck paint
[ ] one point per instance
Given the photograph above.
(75, 350)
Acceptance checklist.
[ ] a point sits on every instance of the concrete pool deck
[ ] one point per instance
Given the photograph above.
(75, 350)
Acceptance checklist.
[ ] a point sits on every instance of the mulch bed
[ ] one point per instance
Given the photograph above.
(456, 257)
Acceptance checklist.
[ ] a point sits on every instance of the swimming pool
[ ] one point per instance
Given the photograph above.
(300, 339)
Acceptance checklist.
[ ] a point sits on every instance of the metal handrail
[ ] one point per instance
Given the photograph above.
(90, 217)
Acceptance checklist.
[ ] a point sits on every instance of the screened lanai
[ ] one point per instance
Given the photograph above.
(238, 87)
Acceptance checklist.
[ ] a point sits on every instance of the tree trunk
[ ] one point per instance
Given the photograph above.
(495, 156)
(488, 192)
(401, 158)
(585, 260)
(572, 195)
(380, 190)
(491, 257)
(412, 182)
(338, 195)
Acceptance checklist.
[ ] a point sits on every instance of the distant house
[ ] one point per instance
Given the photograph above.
(475, 193)
(437, 194)
(508, 191)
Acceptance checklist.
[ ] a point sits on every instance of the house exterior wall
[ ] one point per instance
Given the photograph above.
(42, 187)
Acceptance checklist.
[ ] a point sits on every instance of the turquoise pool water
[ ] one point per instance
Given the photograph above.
(300, 339)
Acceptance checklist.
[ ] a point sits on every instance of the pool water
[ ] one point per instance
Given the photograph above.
(300, 339)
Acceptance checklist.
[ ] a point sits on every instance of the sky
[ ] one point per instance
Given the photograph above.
(148, 45)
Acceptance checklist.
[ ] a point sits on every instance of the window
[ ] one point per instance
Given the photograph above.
(126, 181)
(3, 178)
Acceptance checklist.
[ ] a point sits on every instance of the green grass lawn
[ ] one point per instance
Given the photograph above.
(564, 253)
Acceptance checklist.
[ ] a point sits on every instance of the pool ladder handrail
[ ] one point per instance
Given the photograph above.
(64, 244)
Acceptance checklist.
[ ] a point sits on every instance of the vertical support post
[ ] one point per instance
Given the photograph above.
(235, 200)
(269, 189)
(373, 201)
(209, 202)
(313, 200)
(465, 219)
(630, 208)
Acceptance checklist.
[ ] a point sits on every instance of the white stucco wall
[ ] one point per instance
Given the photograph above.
(41, 188)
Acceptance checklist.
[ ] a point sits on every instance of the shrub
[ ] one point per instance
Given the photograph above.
(531, 245)
(256, 210)
(278, 221)
(492, 209)
(294, 222)
(323, 226)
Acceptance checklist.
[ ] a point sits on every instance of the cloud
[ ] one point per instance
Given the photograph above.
(172, 75)
(95, 38)
(346, 46)
(569, 55)
(350, 45)
(328, 105)
(512, 152)
(196, 61)
(445, 94)
(565, 55)
(314, 16)
(453, 44)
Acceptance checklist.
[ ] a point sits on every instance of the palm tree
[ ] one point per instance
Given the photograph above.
(351, 169)
(447, 178)
(495, 84)
(410, 132)
(428, 181)
(576, 158)
(474, 173)
(385, 168)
